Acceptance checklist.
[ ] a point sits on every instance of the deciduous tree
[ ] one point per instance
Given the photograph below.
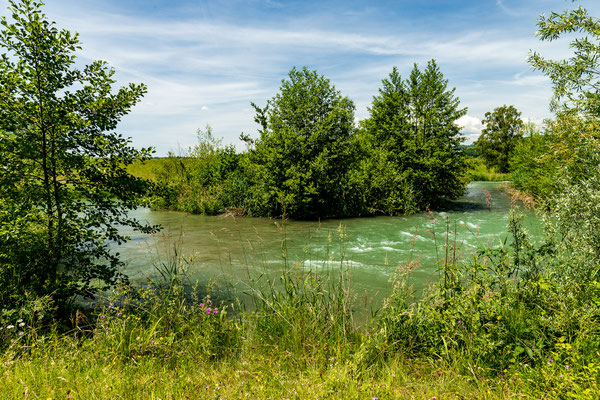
(503, 130)
(63, 182)
(301, 160)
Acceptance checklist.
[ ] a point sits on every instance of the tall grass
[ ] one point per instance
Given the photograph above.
(478, 171)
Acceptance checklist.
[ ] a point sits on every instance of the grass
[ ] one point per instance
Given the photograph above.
(82, 374)
(478, 171)
(146, 169)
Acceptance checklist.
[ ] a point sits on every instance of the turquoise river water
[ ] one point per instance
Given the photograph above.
(232, 249)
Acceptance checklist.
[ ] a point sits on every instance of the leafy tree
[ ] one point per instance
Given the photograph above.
(300, 162)
(413, 143)
(63, 182)
(576, 80)
(503, 130)
(531, 165)
(574, 135)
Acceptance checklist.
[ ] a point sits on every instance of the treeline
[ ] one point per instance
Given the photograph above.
(310, 160)
(540, 161)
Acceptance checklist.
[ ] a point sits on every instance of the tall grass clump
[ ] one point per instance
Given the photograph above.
(306, 314)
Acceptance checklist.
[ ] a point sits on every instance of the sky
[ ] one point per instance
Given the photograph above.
(205, 61)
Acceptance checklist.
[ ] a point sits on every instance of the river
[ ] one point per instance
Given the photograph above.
(233, 249)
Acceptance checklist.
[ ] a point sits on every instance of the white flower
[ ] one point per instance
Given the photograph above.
(19, 321)
(10, 327)
(22, 324)
(21, 333)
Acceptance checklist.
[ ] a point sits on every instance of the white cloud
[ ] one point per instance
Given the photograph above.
(200, 71)
(471, 127)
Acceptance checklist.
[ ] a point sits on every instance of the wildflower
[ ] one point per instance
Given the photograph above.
(19, 321)
(21, 333)
(119, 313)
(215, 311)
(201, 304)
(102, 316)
(567, 367)
(367, 332)
(10, 327)
(459, 321)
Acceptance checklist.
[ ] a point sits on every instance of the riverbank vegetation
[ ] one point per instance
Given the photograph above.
(515, 321)
(310, 161)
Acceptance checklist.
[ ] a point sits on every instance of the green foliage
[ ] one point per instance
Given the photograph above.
(533, 168)
(575, 218)
(208, 178)
(575, 80)
(506, 310)
(309, 163)
(289, 312)
(502, 133)
(412, 144)
(299, 165)
(478, 171)
(64, 185)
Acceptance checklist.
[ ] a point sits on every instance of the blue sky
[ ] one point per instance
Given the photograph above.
(205, 61)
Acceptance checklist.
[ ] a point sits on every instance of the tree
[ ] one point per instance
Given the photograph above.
(503, 130)
(63, 183)
(300, 162)
(574, 135)
(576, 80)
(413, 143)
